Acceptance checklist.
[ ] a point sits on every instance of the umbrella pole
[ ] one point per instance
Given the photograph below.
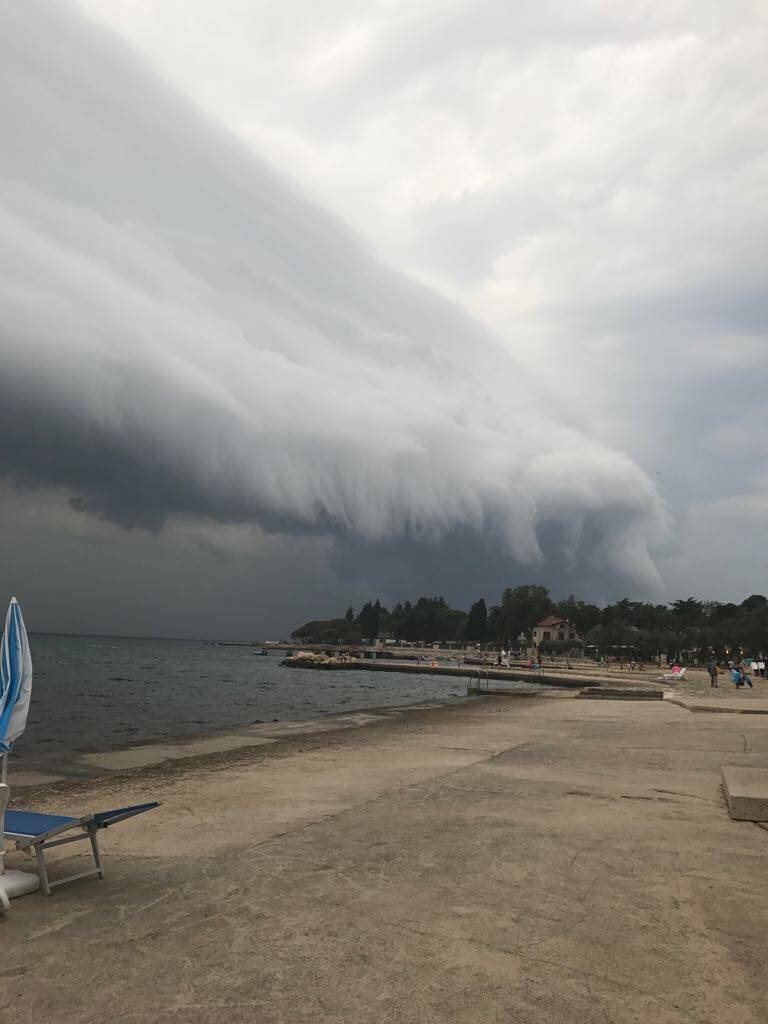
(4, 770)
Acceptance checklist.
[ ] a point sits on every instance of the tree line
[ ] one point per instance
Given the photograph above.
(645, 629)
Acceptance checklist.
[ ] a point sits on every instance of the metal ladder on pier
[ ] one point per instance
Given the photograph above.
(482, 673)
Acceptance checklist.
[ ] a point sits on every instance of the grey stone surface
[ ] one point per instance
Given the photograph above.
(502, 862)
(746, 792)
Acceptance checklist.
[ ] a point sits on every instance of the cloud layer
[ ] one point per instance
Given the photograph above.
(184, 333)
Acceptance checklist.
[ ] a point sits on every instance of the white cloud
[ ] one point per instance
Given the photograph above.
(185, 334)
(722, 551)
(526, 160)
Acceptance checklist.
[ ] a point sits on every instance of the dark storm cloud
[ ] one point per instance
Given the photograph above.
(589, 178)
(182, 333)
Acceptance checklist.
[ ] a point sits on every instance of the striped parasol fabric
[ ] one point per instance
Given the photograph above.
(15, 680)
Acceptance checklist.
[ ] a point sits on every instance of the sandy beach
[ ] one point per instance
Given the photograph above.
(530, 859)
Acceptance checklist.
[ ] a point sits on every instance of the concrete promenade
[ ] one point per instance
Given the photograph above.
(543, 860)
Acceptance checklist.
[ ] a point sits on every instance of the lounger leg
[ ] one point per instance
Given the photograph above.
(95, 847)
(41, 870)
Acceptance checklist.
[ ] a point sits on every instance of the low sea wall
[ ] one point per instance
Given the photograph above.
(471, 672)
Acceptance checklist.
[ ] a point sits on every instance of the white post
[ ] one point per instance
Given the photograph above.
(4, 794)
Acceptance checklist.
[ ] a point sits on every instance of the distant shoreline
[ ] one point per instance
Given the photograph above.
(126, 636)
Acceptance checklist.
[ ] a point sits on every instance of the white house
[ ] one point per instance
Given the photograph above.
(555, 628)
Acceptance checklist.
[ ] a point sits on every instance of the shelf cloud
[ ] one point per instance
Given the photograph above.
(184, 333)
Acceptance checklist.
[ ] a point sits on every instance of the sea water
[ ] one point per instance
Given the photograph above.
(105, 692)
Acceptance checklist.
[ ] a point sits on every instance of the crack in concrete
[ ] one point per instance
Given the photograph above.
(435, 780)
(690, 796)
(652, 799)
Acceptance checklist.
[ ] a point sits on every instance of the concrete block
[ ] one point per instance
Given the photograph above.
(623, 693)
(746, 792)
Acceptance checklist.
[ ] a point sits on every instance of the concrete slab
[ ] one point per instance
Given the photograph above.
(728, 705)
(623, 693)
(89, 764)
(746, 792)
(156, 753)
(546, 860)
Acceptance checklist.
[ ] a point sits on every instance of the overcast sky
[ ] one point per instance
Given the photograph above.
(305, 303)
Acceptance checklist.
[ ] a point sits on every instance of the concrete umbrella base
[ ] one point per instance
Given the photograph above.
(19, 883)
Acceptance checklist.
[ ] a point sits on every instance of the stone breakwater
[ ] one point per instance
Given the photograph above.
(309, 659)
(571, 680)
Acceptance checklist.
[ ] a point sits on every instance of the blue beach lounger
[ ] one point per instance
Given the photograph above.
(44, 831)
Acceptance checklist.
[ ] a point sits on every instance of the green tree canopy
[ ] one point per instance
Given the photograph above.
(477, 622)
(431, 619)
(520, 609)
(686, 625)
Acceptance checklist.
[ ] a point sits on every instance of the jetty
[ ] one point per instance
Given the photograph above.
(479, 676)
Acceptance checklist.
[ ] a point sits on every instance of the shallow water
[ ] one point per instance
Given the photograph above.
(105, 692)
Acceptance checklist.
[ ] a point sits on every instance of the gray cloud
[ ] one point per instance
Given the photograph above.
(184, 334)
(199, 578)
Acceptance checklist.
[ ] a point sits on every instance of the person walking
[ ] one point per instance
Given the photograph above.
(713, 670)
(739, 676)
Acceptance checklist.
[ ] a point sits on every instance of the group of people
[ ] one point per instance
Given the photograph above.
(612, 661)
(739, 676)
(504, 658)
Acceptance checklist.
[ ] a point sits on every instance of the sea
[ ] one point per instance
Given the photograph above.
(100, 693)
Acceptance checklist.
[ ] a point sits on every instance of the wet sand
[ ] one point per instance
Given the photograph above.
(500, 860)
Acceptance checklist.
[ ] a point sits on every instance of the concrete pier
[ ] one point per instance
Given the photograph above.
(558, 860)
(573, 679)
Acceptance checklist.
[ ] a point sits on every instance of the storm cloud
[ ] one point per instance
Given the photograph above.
(184, 334)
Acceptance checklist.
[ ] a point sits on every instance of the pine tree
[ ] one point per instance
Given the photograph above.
(477, 623)
(368, 620)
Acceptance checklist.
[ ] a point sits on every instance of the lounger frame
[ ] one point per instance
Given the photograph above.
(89, 826)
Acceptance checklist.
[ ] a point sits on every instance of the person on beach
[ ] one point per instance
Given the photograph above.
(713, 670)
(739, 677)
